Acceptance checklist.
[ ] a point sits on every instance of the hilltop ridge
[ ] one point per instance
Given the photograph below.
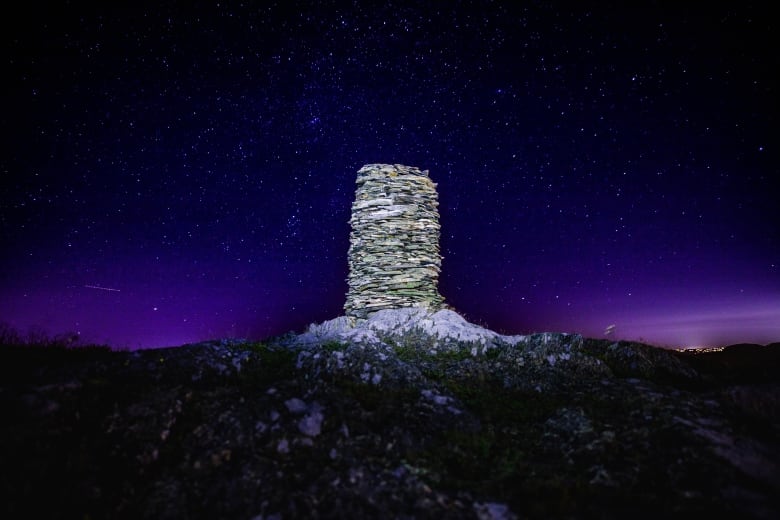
(408, 414)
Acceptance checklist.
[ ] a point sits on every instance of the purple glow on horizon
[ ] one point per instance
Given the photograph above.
(186, 173)
(164, 313)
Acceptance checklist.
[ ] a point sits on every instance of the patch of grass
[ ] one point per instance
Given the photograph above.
(334, 346)
(273, 364)
(407, 353)
(505, 458)
(410, 352)
(487, 456)
(454, 355)
(492, 354)
(372, 397)
(490, 400)
(37, 338)
(433, 371)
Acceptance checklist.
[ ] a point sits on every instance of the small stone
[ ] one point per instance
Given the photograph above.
(493, 511)
(436, 398)
(296, 405)
(311, 424)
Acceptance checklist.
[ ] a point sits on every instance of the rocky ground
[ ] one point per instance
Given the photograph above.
(406, 415)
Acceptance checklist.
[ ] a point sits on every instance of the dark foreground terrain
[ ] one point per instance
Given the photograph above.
(555, 426)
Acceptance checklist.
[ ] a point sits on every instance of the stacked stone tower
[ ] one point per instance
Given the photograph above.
(394, 259)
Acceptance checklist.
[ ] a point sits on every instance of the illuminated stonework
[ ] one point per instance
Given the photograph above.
(394, 259)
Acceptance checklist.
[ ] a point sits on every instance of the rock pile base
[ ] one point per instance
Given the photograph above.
(394, 259)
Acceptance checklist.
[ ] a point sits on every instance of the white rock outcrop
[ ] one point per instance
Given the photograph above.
(444, 326)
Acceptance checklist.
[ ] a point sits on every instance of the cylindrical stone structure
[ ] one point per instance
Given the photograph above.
(394, 259)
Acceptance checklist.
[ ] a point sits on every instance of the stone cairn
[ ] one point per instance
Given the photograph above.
(394, 259)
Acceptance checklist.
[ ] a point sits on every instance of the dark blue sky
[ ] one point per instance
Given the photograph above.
(615, 165)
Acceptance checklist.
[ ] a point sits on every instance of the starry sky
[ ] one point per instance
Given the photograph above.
(174, 173)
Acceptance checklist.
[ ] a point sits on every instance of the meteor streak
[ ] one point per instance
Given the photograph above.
(102, 288)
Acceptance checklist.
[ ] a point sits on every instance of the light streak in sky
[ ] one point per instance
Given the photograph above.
(102, 288)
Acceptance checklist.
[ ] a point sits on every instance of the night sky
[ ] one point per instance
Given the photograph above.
(172, 174)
